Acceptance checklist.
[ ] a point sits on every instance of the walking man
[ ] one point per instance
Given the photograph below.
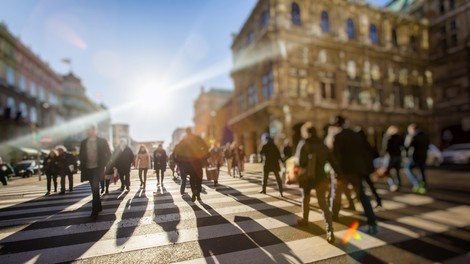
(416, 144)
(272, 157)
(159, 162)
(94, 155)
(124, 158)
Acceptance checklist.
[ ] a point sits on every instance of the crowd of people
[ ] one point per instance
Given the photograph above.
(343, 158)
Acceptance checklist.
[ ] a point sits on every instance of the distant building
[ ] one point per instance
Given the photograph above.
(150, 145)
(118, 132)
(30, 94)
(311, 60)
(176, 137)
(205, 108)
(82, 111)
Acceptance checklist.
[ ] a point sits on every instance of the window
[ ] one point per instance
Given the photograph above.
(295, 13)
(41, 93)
(453, 25)
(10, 76)
(442, 7)
(10, 109)
(264, 18)
(394, 38)
(298, 83)
(23, 113)
(252, 95)
(453, 40)
(451, 4)
(373, 35)
(413, 43)
(325, 23)
(22, 83)
(327, 90)
(354, 92)
(250, 37)
(34, 115)
(416, 91)
(398, 95)
(350, 29)
(33, 89)
(268, 85)
(241, 102)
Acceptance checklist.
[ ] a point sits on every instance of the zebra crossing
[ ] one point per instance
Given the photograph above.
(232, 224)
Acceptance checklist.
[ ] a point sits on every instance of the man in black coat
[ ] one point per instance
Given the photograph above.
(191, 156)
(272, 157)
(416, 144)
(352, 154)
(123, 161)
(94, 155)
(67, 164)
(159, 163)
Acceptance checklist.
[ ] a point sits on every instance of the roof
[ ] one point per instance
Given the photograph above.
(398, 5)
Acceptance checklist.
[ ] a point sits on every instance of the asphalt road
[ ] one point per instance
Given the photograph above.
(233, 224)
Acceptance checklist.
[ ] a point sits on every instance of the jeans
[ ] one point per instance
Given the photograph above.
(394, 163)
(124, 177)
(409, 165)
(183, 176)
(356, 182)
(265, 180)
(144, 181)
(94, 178)
(320, 190)
(62, 181)
(195, 179)
(51, 177)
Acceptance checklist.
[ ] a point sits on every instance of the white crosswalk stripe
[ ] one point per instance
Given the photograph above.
(233, 224)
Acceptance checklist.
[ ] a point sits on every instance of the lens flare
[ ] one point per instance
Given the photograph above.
(352, 233)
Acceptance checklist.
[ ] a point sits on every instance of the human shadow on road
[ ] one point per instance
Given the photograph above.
(133, 211)
(60, 236)
(162, 209)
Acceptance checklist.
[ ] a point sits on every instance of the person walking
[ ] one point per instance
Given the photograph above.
(228, 158)
(272, 157)
(393, 148)
(352, 155)
(50, 169)
(159, 162)
(143, 163)
(67, 165)
(313, 156)
(212, 169)
(241, 159)
(94, 155)
(192, 153)
(123, 161)
(416, 144)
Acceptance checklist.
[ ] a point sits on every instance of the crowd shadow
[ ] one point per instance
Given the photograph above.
(130, 218)
(169, 207)
(50, 248)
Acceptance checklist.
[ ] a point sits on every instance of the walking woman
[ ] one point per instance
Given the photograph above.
(50, 169)
(142, 162)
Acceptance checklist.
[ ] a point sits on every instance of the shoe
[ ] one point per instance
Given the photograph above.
(55, 190)
(422, 190)
(199, 198)
(128, 188)
(70, 190)
(302, 222)
(330, 237)
(193, 198)
(351, 207)
(102, 191)
(122, 188)
(62, 193)
(372, 230)
(415, 189)
(379, 204)
(47, 194)
(262, 191)
(280, 194)
(94, 215)
(161, 184)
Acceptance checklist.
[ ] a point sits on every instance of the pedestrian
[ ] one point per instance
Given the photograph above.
(179, 150)
(50, 169)
(212, 169)
(67, 166)
(416, 144)
(123, 162)
(393, 148)
(353, 158)
(172, 164)
(313, 156)
(109, 173)
(235, 154)
(272, 157)
(159, 163)
(228, 158)
(143, 163)
(94, 155)
(191, 154)
(241, 159)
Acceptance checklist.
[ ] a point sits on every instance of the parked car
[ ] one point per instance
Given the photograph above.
(26, 168)
(435, 157)
(457, 154)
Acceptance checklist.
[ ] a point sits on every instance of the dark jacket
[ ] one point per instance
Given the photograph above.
(395, 145)
(191, 153)
(104, 153)
(50, 164)
(312, 158)
(272, 156)
(352, 153)
(420, 145)
(123, 160)
(160, 159)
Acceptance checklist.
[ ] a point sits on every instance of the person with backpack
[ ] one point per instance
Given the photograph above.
(312, 155)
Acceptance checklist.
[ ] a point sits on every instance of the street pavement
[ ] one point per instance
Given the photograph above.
(232, 224)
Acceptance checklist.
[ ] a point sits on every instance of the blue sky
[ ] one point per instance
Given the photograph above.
(146, 60)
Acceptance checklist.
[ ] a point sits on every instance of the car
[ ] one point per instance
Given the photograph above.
(26, 168)
(457, 154)
(435, 157)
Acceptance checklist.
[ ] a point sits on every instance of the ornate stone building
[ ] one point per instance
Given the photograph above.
(205, 111)
(311, 60)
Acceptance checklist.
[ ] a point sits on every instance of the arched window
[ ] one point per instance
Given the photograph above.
(295, 13)
(350, 29)
(394, 38)
(373, 35)
(325, 23)
(413, 43)
(23, 110)
(264, 18)
(34, 115)
(10, 109)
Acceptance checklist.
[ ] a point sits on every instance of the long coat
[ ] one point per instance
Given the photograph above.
(124, 159)
(104, 154)
(352, 153)
(160, 159)
(272, 156)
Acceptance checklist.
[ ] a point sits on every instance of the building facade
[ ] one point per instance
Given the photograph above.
(30, 94)
(311, 60)
(176, 137)
(118, 132)
(205, 111)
